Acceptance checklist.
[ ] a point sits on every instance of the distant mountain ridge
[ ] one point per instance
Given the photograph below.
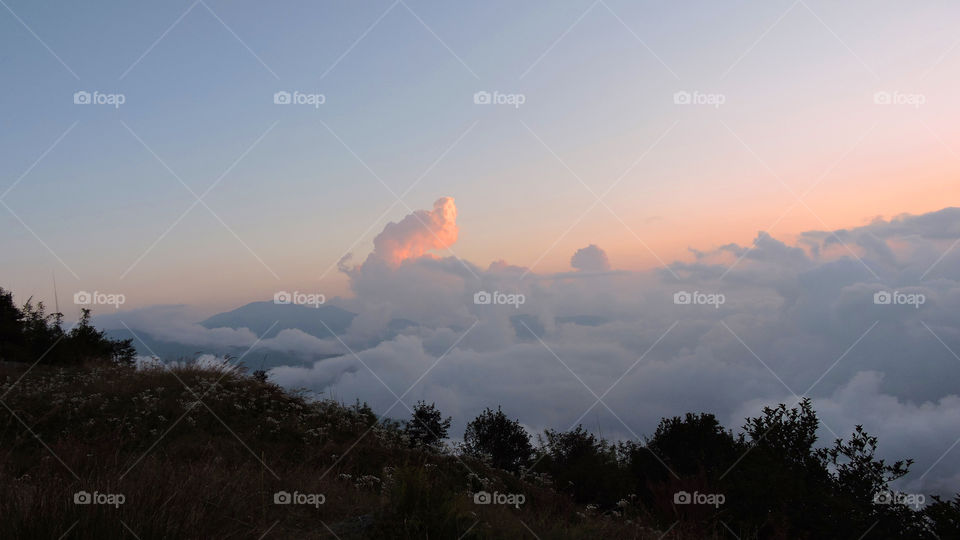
(267, 319)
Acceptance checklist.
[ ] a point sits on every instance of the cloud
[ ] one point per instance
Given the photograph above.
(416, 234)
(590, 259)
(798, 317)
(172, 323)
(180, 325)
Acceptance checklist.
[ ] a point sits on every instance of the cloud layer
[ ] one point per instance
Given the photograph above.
(832, 314)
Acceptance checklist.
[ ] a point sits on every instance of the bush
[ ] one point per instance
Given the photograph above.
(427, 428)
(583, 465)
(29, 334)
(504, 441)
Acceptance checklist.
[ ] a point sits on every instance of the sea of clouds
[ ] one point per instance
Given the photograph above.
(865, 321)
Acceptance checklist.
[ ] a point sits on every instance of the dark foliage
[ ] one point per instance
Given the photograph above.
(30, 334)
(504, 441)
(581, 464)
(383, 478)
(427, 428)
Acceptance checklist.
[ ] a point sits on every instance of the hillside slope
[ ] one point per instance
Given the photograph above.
(202, 453)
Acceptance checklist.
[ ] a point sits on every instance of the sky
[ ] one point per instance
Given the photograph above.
(597, 212)
(105, 197)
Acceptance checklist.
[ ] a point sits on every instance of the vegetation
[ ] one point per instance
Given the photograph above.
(182, 451)
(503, 441)
(29, 334)
(428, 428)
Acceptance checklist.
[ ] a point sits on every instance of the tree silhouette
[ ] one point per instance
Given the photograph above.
(30, 334)
(504, 440)
(427, 427)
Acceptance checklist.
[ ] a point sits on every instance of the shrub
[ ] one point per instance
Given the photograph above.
(427, 428)
(504, 441)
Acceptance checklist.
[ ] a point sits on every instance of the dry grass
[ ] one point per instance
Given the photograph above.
(210, 468)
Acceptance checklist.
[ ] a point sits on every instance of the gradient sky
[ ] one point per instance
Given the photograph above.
(84, 198)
